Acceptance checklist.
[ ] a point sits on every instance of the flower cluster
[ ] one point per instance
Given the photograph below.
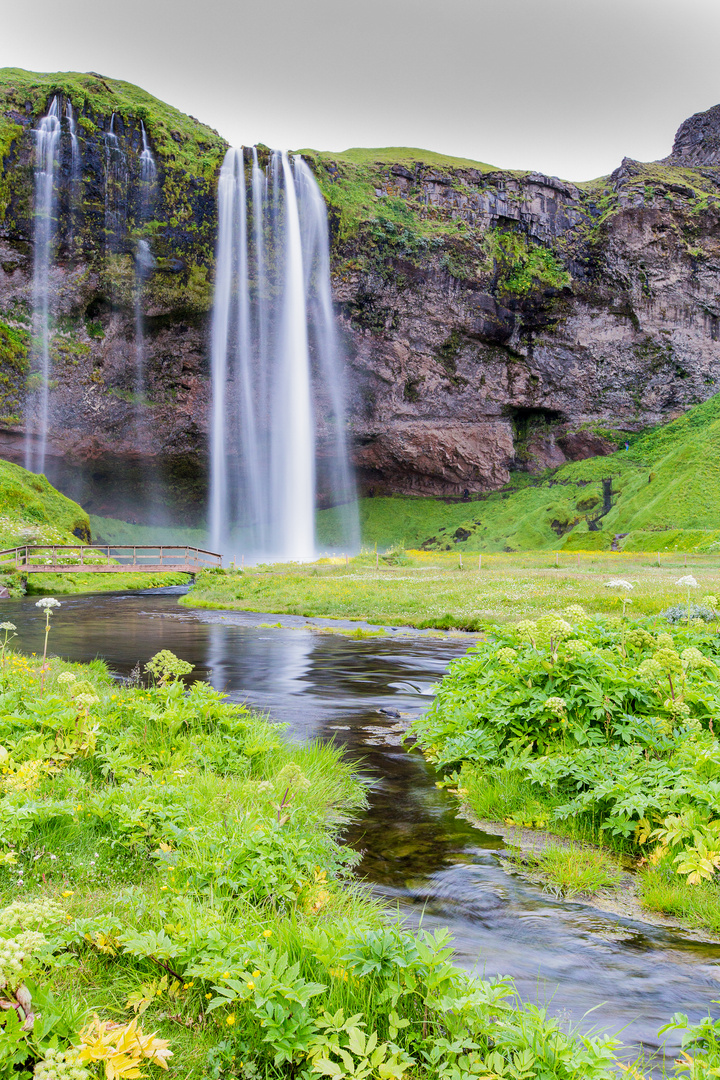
(16, 955)
(27, 913)
(47, 603)
(506, 655)
(60, 1065)
(575, 612)
(557, 706)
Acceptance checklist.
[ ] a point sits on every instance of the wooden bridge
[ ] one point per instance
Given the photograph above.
(107, 559)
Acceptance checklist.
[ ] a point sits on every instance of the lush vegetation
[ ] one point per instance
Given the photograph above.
(599, 727)
(174, 894)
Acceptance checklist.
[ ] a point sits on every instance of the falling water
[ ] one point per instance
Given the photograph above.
(148, 170)
(47, 135)
(144, 264)
(316, 242)
(116, 184)
(274, 353)
(74, 145)
(74, 187)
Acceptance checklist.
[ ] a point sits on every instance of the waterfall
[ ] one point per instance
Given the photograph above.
(148, 172)
(74, 145)
(275, 361)
(316, 241)
(116, 183)
(293, 433)
(144, 263)
(47, 136)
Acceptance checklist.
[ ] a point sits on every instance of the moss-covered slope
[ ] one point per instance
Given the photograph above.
(32, 511)
(663, 492)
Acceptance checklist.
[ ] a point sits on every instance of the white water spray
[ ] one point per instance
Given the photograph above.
(274, 351)
(47, 136)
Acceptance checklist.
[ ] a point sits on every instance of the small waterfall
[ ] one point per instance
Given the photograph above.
(47, 137)
(274, 352)
(144, 264)
(75, 185)
(116, 184)
(148, 173)
(74, 145)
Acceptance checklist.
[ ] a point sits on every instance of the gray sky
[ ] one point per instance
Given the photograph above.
(565, 86)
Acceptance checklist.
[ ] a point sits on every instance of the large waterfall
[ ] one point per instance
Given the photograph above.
(47, 137)
(277, 401)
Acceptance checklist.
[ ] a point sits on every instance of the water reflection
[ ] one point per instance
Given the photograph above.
(415, 852)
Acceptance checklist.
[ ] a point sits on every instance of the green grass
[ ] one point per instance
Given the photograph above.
(430, 590)
(572, 869)
(695, 905)
(66, 584)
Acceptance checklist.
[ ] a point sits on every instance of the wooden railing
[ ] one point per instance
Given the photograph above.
(107, 559)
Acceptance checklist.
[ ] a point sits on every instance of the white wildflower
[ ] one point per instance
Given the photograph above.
(47, 603)
(66, 677)
(7, 626)
(619, 583)
(688, 582)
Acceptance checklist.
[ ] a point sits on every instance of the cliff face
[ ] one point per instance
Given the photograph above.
(492, 320)
(538, 322)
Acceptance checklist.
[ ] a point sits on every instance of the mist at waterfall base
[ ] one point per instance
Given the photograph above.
(277, 389)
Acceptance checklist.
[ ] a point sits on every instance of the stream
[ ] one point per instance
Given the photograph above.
(433, 866)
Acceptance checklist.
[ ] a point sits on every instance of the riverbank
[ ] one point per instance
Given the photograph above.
(431, 590)
(169, 860)
(600, 730)
(72, 584)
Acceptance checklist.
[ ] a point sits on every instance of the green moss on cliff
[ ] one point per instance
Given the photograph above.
(14, 364)
(522, 266)
(188, 156)
(32, 511)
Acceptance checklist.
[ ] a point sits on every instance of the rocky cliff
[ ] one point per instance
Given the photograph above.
(493, 320)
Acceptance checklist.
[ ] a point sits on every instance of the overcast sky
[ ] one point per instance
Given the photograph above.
(568, 87)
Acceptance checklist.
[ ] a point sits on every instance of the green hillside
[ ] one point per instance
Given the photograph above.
(32, 511)
(664, 493)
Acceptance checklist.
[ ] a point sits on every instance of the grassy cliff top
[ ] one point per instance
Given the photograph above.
(32, 511)
(398, 155)
(180, 139)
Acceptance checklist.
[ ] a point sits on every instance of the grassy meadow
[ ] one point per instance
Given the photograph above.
(430, 589)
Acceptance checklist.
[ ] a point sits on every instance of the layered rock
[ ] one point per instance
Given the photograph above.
(492, 320)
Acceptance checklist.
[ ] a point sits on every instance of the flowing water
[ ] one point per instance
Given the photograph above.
(47, 138)
(417, 853)
(277, 431)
